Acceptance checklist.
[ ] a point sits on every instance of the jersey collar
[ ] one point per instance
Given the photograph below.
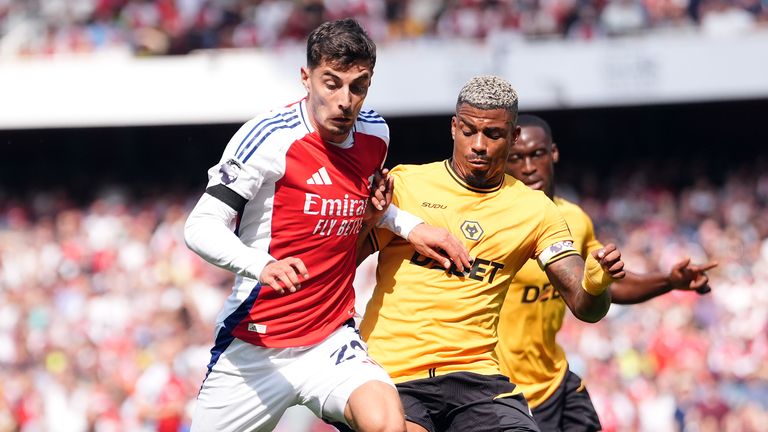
(455, 176)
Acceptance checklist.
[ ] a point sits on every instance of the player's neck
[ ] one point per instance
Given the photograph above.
(551, 192)
(326, 137)
(472, 181)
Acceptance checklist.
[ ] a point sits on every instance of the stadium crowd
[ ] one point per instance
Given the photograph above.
(106, 316)
(159, 27)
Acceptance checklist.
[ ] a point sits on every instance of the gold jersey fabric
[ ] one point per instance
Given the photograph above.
(533, 314)
(425, 321)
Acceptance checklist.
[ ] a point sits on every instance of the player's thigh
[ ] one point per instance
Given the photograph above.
(242, 392)
(339, 366)
(508, 413)
(375, 406)
(579, 414)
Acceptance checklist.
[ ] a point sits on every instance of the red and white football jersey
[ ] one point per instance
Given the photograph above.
(306, 199)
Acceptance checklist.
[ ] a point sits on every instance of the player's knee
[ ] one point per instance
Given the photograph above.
(379, 420)
(375, 407)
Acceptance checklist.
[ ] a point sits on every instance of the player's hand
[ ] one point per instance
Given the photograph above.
(440, 245)
(381, 195)
(685, 276)
(609, 258)
(285, 274)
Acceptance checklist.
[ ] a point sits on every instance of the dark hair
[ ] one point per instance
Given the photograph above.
(531, 120)
(341, 43)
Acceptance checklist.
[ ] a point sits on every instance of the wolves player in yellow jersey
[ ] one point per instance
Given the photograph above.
(533, 310)
(434, 330)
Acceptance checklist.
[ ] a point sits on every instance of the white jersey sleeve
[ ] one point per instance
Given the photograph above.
(253, 159)
(208, 233)
(399, 221)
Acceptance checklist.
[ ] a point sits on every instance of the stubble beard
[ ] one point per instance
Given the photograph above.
(338, 133)
(478, 180)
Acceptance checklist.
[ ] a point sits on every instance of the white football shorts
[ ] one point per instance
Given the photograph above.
(249, 387)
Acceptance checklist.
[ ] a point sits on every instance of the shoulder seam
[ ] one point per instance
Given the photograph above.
(263, 129)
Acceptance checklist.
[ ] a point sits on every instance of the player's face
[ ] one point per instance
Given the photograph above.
(335, 97)
(532, 159)
(481, 142)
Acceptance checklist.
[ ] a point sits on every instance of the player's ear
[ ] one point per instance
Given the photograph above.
(453, 127)
(305, 78)
(555, 153)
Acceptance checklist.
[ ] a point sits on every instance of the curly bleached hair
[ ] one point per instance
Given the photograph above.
(488, 92)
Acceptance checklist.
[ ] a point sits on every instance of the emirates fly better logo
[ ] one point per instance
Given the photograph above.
(340, 216)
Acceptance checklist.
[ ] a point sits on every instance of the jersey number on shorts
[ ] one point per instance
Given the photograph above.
(341, 352)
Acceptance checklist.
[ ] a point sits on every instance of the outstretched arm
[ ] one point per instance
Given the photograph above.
(584, 285)
(637, 288)
(431, 241)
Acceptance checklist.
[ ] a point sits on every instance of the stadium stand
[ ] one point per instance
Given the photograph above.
(149, 27)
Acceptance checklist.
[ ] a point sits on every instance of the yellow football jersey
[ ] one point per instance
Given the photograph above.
(425, 321)
(533, 314)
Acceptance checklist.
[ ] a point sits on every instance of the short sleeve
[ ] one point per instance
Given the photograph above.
(244, 180)
(554, 240)
(248, 160)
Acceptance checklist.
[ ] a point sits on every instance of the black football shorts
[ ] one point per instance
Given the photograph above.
(569, 409)
(466, 402)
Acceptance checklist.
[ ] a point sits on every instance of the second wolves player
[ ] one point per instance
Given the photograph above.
(533, 309)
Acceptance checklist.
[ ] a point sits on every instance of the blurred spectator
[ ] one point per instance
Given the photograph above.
(585, 23)
(622, 17)
(475, 19)
(724, 18)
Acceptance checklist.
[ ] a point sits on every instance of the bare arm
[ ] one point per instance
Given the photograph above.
(637, 288)
(431, 241)
(583, 285)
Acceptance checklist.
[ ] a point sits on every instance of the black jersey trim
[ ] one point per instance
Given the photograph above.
(462, 183)
(228, 197)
